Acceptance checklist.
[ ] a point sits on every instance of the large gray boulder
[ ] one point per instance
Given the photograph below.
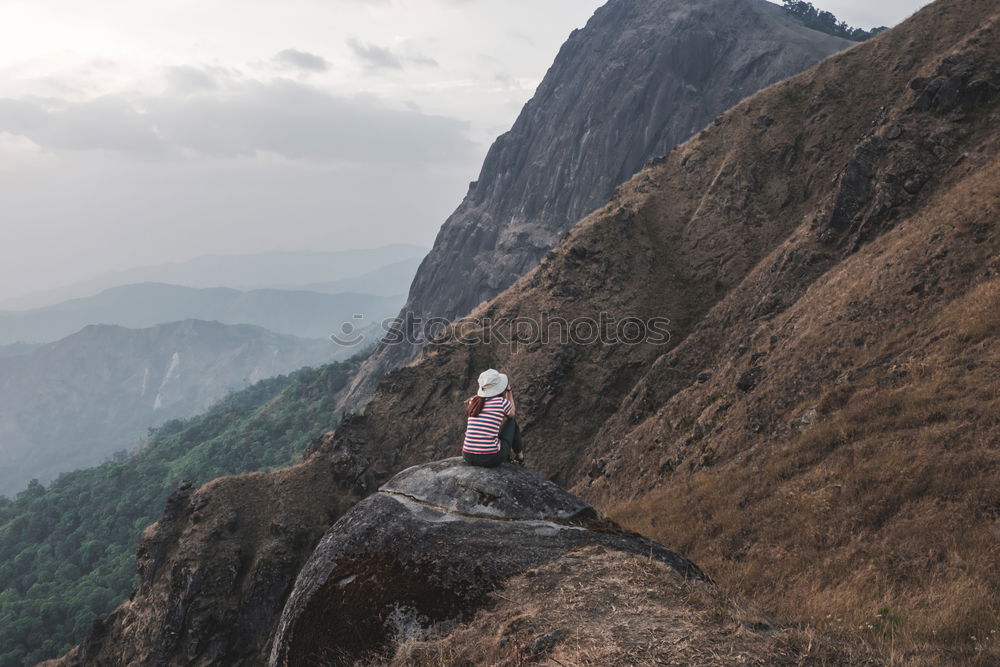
(428, 547)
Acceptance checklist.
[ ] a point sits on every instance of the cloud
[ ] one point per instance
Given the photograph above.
(519, 36)
(375, 57)
(18, 154)
(282, 117)
(108, 123)
(293, 58)
(423, 60)
(421, 2)
(187, 79)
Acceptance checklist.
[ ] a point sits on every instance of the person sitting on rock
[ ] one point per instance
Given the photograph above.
(491, 433)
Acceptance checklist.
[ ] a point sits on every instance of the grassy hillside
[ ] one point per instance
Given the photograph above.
(821, 433)
(67, 553)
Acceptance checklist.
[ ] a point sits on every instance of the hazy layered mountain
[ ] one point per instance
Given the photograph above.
(298, 313)
(244, 272)
(390, 280)
(73, 403)
(640, 78)
(819, 431)
(17, 349)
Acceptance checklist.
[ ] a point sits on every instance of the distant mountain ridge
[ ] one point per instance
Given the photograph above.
(282, 270)
(72, 403)
(640, 78)
(17, 349)
(292, 312)
(389, 280)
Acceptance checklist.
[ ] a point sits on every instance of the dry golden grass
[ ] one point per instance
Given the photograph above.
(605, 608)
(977, 315)
(882, 519)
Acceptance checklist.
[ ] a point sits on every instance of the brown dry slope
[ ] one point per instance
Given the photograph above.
(830, 246)
(821, 431)
(595, 607)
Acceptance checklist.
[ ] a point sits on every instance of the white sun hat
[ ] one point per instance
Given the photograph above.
(491, 383)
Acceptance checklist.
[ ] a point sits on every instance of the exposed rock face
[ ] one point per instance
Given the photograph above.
(640, 78)
(218, 602)
(428, 546)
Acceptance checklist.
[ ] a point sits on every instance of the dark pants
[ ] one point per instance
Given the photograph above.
(510, 441)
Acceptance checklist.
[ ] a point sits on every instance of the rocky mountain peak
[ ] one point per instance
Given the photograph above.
(640, 78)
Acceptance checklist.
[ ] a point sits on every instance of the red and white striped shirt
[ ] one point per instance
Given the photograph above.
(482, 433)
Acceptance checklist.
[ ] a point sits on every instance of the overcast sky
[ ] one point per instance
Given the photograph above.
(134, 133)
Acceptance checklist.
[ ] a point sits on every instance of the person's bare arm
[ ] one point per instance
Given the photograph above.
(513, 407)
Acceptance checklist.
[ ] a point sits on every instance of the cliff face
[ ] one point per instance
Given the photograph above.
(819, 431)
(641, 77)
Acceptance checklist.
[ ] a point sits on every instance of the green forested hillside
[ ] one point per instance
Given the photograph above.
(67, 552)
(71, 404)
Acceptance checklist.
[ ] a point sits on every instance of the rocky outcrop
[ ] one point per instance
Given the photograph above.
(428, 547)
(216, 569)
(640, 78)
